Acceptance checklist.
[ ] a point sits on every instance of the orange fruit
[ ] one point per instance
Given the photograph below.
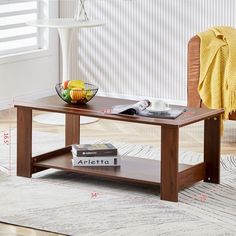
(77, 94)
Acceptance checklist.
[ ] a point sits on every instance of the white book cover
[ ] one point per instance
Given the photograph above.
(96, 161)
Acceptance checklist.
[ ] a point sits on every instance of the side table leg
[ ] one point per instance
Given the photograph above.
(169, 163)
(24, 142)
(212, 150)
(72, 129)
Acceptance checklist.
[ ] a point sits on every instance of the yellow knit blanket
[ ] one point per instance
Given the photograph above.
(217, 83)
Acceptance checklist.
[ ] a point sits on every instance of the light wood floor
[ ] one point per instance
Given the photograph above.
(191, 138)
(12, 230)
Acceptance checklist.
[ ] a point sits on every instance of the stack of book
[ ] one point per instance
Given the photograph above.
(104, 154)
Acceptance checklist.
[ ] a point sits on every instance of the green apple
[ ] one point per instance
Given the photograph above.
(66, 95)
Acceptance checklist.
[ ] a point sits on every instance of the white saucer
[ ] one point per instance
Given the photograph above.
(152, 109)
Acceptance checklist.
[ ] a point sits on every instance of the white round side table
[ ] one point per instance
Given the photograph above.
(66, 27)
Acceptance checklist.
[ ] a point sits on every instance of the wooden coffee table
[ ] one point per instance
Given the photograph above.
(168, 173)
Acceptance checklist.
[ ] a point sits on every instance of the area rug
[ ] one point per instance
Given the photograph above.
(79, 205)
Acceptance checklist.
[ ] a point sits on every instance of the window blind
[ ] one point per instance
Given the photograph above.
(15, 35)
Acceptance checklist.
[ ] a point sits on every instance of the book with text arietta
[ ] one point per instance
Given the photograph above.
(89, 150)
(96, 161)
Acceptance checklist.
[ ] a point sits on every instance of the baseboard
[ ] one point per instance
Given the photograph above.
(137, 98)
(8, 103)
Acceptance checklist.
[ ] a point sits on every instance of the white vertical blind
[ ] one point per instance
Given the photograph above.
(15, 35)
(142, 48)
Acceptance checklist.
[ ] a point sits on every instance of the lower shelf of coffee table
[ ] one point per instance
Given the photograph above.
(132, 169)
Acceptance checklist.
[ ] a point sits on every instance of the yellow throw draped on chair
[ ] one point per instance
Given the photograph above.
(217, 82)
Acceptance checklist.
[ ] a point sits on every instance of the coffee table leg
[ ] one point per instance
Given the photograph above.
(72, 129)
(169, 163)
(212, 150)
(24, 142)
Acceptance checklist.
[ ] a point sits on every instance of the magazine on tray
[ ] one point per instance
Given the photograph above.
(143, 108)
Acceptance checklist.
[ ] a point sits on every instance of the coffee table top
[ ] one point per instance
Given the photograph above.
(96, 106)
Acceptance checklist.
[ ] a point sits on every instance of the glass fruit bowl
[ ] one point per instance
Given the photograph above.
(76, 92)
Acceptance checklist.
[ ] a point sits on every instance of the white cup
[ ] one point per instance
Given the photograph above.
(159, 105)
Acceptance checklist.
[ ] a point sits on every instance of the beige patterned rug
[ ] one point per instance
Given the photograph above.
(78, 205)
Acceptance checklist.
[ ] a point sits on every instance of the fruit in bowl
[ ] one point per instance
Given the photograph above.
(76, 91)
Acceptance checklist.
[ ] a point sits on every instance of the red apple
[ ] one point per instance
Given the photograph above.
(65, 84)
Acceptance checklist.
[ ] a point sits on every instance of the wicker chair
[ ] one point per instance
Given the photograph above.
(193, 73)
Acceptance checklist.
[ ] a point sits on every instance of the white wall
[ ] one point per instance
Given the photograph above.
(141, 51)
(27, 74)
